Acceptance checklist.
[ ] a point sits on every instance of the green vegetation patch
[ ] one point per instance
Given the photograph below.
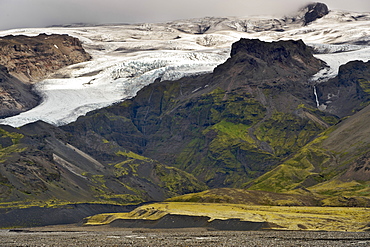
(177, 181)
(307, 163)
(365, 85)
(287, 133)
(232, 131)
(16, 137)
(344, 193)
(131, 155)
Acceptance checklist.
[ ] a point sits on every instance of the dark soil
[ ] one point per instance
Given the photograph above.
(68, 214)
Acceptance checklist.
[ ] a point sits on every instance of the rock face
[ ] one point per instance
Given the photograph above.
(315, 11)
(25, 60)
(31, 58)
(346, 93)
(15, 96)
(254, 62)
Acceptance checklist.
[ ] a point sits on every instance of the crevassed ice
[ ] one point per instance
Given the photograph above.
(127, 58)
(64, 100)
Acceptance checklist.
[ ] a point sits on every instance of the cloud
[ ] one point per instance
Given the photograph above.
(40, 13)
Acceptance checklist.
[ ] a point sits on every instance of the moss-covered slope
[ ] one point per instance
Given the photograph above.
(334, 166)
(228, 127)
(41, 163)
(249, 197)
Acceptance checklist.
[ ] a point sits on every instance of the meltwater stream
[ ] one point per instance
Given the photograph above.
(316, 97)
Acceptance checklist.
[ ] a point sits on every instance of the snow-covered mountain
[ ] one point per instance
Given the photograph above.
(126, 58)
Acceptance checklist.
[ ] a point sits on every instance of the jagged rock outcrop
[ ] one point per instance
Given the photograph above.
(253, 62)
(346, 93)
(314, 11)
(25, 60)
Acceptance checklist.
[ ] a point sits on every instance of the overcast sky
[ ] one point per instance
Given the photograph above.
(40, 13)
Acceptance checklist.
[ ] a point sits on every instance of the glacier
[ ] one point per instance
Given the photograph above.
(127, 57)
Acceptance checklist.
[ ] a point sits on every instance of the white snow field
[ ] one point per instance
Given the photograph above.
(129, 57)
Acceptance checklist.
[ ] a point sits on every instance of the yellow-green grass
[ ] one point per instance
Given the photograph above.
(249, 197)
(284, 218)
(334, 191)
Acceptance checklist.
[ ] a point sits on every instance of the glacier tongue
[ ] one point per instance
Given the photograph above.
(65, 99)
(335, 60)
(129, 57)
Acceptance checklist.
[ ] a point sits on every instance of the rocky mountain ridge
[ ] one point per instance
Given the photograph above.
(33, 58)
(42, 162)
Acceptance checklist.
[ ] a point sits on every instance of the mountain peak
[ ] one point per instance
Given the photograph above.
(256, 62)
(271, 51)
(314, 11)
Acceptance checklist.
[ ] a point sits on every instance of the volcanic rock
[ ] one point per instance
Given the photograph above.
(345, 94)
(315, 11)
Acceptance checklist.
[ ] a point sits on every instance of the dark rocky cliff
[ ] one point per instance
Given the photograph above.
(346, 93)
(314, 11)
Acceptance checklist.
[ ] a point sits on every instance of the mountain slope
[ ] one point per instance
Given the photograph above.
(333, 165)
(42, 163)
(227, 127)
(15, 95)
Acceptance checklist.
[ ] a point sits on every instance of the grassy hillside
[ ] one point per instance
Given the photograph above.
(249, 197)
(336, 165)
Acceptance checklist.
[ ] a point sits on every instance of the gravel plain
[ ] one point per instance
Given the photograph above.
(73, 235)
